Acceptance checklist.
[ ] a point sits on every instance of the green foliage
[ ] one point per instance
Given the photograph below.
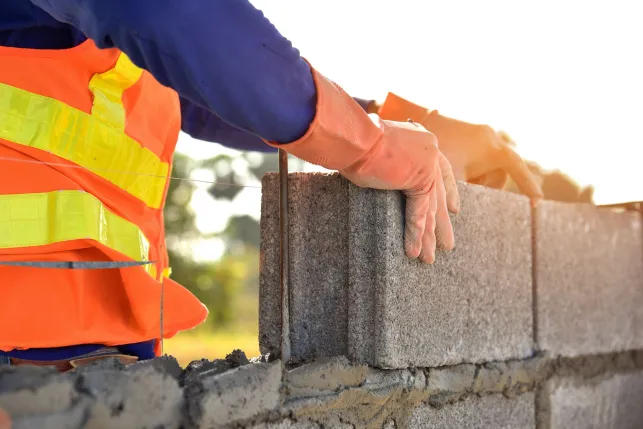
(228, 287)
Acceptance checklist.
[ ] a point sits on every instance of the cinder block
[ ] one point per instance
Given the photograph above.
(141, 395)
(354, 291)
(39, 397)
(472, 305)
(589, 279)
(318, 212)
(487, 412)
(31, 390)
(606, 403)
(232, 397)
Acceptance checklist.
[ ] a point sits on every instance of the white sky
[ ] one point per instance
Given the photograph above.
(563, 78)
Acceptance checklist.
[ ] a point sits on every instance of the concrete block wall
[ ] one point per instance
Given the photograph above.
(557, 282)
(532, 322)
(601, 391)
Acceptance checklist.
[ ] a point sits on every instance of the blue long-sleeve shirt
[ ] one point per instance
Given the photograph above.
(238, 79)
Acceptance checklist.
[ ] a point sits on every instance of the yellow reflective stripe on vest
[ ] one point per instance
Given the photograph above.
(108, 89)
(40, 219)
(86, 140)
(166, 273)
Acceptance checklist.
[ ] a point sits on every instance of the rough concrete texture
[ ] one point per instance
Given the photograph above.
(589, 279)
(38, 398)
(493, 411)
(143, 395)
(269, 260)
(472, 305)
(354, 292)
(444, 384)
(333, 392)
(329, 393)
(238, 395)
(318, 213)
(604, 403)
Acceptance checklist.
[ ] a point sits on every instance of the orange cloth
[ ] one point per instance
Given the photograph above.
(60, 307)
(396, 108)
(381, 154)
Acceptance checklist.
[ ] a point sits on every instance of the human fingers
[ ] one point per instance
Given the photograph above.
(514, 165)
(417, 207)
(427, 255)
(445, 238)
(450, 184)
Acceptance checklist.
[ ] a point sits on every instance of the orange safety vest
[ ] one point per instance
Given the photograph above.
(86, 143)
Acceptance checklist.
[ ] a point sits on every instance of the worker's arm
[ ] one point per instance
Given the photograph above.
(204, 125)
(226, 57)
(198, 48)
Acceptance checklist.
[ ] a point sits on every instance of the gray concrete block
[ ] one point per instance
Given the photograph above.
(589, 279)
(607, 403)
(472, 305)
(269, 286)
(142, 395)
(487, 412)
(355, 293)
(39, 397)
(27, 390)
(72, 418)
(233, 396)
(318, 214)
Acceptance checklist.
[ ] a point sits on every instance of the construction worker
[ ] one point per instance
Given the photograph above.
(93, 94)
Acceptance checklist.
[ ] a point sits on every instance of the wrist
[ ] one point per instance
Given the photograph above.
(341, 132)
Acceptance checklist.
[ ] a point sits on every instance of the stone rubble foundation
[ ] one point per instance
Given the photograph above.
(600, 391)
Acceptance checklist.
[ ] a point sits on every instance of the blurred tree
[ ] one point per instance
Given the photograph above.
(228, 287)
(179, 217)
(215, 284)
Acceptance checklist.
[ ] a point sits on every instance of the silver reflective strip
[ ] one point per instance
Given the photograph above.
(76, 265)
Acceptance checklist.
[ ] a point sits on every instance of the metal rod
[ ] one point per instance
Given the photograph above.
(284, 263)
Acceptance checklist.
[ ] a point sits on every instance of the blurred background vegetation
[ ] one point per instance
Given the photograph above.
(229, 286)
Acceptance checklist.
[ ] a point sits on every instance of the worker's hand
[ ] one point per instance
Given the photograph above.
(407, 158)
(476, 152)
(380, 154)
